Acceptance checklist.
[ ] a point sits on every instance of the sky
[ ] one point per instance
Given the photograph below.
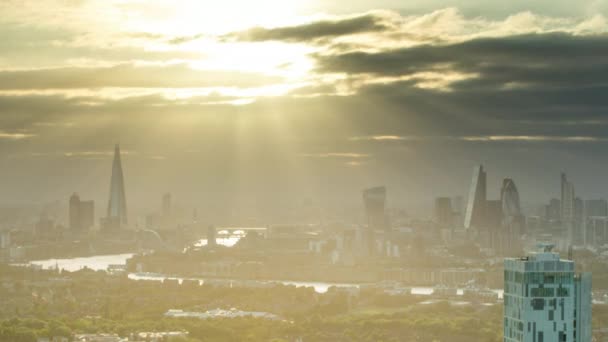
(255, 104)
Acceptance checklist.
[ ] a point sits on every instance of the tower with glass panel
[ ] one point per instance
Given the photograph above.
(544, 300)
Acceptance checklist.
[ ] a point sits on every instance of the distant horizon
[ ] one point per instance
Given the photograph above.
(314, 99)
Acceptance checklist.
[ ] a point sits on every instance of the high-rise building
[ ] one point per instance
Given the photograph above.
(81, 214)
(493, 215)
(592, 209)
(511, 208)
(375, 207)
(166, 205)
(544, 300)
(512, 220)
(476, 207)
(553, 210)
(568, 209)
(444, 213)
(117, 204)
(596, 207)
(567, 201)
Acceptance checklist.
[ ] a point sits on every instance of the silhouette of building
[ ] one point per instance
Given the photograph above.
(553, 210)
(117, 204)
(513, 221)
(166, 205)
(511, 207)
(375, 206)
(592, 211)
(567, 200)
(544, 300)
(476, 207)
(444, 214)
(596, 207)
(81, 213)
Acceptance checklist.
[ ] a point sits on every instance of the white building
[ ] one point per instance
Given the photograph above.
(544, 300)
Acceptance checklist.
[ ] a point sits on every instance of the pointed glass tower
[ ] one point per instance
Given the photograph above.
(117, 206)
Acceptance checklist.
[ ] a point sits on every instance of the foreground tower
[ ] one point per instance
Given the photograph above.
(117, 205)
(544, 300)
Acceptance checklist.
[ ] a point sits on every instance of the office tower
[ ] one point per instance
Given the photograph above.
(510, 198)
(166, 205)
(443, 211)
(458, 205)
(598, 207)
(493, 215)
(553, 210)
(81, 213)
(592, 210)
(512, 222)
(375, 203)
(475, 213)
(568, 209)
(544, 300)
(567, 201)
(511, 208)
(117, 205)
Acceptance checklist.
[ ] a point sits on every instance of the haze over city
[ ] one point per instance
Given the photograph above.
(303, 171)
(277, 101)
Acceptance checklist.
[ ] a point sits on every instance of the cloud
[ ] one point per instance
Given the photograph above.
(15, 136)
(348, 155)
(371, 22)
(129, 75)
(380, 138)
(484, 138)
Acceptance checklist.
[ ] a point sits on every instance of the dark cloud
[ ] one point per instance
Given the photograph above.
(129, 75)
(555, 59)
(313, 31)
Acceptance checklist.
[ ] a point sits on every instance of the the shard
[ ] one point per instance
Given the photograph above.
(117, 205)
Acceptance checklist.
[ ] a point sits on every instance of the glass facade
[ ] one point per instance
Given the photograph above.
(544, 300)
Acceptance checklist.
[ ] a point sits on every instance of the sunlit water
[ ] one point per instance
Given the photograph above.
(96, 263)
(101, 263)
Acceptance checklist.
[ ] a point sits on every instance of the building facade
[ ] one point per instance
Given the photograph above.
(544, 300)
(117, 204)
(475, 213)
(81, 214)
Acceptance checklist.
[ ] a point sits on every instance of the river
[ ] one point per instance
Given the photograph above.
(101, 263)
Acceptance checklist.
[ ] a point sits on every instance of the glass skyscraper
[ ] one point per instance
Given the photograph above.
(544, 300)
(475, 213)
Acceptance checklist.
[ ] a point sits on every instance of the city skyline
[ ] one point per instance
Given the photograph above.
(300, 171)
(299, 100)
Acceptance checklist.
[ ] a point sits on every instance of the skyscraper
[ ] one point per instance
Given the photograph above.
(443, 211)
(81, 214)
(568, 210)
(166, 205)
(511, 208)
(512, 221)
(544, 300)
(117, 205)
(475, 213)
(567, 202)
(375, 202)
(598, 207)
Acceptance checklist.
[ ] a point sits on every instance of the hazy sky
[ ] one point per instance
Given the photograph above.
(272, 101)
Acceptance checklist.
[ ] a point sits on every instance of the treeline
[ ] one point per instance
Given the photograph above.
(434, 322)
